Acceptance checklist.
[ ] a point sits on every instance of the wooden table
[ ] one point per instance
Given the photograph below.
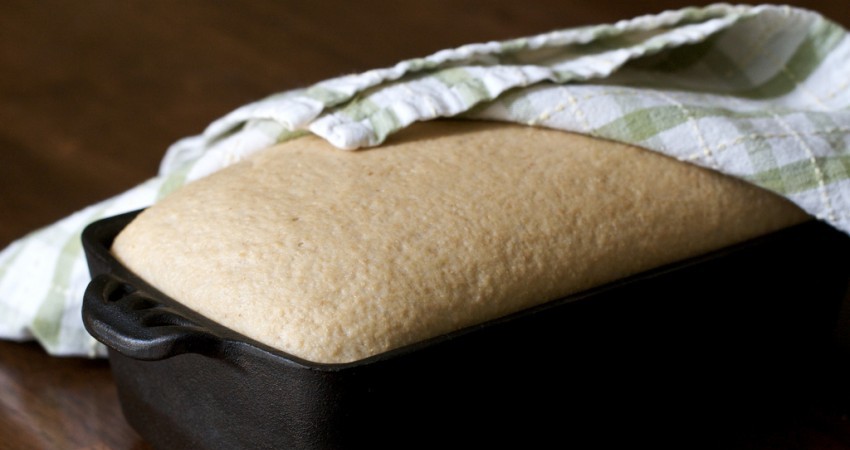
(92, 93)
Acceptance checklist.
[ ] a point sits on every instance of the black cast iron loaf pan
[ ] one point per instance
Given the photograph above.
(682, 351)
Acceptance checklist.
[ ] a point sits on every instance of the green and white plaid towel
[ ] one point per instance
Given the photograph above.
(760, 93)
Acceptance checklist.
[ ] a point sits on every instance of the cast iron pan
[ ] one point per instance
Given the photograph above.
(688, 351)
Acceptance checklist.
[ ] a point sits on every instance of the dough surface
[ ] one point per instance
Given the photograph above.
(335, 256)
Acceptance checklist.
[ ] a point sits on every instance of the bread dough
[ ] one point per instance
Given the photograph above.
(334, 256)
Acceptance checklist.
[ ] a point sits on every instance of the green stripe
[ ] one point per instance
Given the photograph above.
(518, 106)
(512, 46)
(759, 152)
(174, 180)
(384, 122)
(417, 64)
(800, 176)
(470, 89)
(327, 96)
(47, 324)
(360, 108)
(642, 124)
(822, 38)
(290, 135)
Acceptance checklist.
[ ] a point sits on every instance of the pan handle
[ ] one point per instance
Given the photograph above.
(134, 324)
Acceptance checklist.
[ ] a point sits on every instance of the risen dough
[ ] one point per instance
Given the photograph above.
(335, 256)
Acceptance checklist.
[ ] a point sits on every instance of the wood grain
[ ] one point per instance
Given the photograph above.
(55, 403)
(92, 93)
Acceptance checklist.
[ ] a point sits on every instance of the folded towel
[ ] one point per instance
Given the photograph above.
(756, 92)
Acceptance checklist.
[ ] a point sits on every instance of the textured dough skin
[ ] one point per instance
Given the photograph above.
(335, 256)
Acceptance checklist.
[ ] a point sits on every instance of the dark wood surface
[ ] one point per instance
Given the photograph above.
(92, 93)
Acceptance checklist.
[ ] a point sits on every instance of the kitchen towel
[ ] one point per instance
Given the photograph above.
(756, 92)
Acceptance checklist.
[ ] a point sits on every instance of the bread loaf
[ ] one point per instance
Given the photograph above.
(336, 256)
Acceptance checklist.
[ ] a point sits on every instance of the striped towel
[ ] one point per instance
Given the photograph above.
(760, 93)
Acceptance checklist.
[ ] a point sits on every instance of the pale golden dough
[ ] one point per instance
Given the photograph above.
(335, 256)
